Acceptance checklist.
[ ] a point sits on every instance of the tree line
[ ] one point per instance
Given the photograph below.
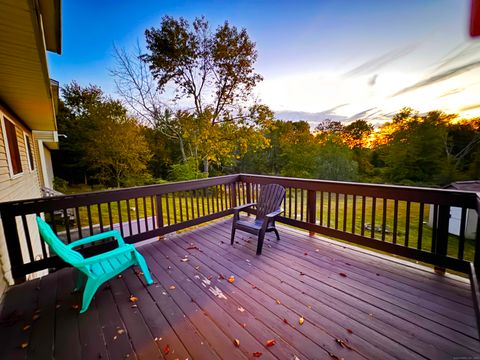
(186, 111)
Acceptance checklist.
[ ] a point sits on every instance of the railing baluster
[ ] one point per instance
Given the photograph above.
(100, 220)
(129, 219)
(120, 222)
(407, 223)
(137, 213)
(329, 203)
(42, 244)
(434, 228)
(110, 218)
(354, 209)
(301, 204)
(89, 217)
(152, 206)
(159, 203)
(420, 226)
(362, 227)
(345, 203)
(321, 208)
(167, 203)
(461, 239)
(187, 213)
(290, 202)
(145, 215)
(311, 208)
(27, 238)
(174, 203)
(384, 218)
(374, 205)
(207, 198)
(67, 225)
(395, 221)
(202, 194)
(216, 198)
(79, 226)
(52, 221)
(296, 204)
(336, 210)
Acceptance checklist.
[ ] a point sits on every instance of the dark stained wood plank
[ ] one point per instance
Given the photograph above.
(17, 312)
(283, 262)
(67, 338)
(43, 329)
(164, 335)
(117, 342)
(215, 337)
(137, 331)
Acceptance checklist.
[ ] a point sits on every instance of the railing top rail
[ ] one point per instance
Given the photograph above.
(30, 206)
(448, 197)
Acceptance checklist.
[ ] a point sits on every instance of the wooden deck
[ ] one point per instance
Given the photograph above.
(355, 304)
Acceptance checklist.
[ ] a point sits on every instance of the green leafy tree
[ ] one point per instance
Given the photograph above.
(211, 69)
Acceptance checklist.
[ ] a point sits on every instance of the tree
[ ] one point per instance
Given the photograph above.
(102, 141)
(356, 133)
(213, 70)
(329, 126)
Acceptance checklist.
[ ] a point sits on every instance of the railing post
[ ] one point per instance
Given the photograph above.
(158, 199)
(233, 194)
(249, 195)
(311, 208)
(441, 242)
(14, 249)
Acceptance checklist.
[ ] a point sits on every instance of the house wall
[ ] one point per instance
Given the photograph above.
(21, 186)
(454, 222)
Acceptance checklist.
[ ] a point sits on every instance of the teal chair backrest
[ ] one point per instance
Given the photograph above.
(71, 256)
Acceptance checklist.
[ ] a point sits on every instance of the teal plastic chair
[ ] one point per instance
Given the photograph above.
(95, 270)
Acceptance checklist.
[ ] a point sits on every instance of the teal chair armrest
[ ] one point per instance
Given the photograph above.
(108, 255)
(112, 233)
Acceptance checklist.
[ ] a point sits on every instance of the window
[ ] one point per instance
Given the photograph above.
(28, 149)
(11, 147)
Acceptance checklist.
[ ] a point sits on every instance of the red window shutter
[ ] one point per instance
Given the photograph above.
(475, 18)
(13, 147)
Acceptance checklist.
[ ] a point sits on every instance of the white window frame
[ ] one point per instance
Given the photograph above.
(30, 153)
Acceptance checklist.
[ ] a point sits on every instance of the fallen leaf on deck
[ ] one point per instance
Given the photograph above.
(317, 250)
(184, 260)
(236, 342)
(342, 274)
(335, 357)
(35, 316)
(343, 344)
(24, 345)
(309, 306)
(222, 242)
(172, 287)
(254, 286)
(26, 327)
(350, 331)
(244, 325)
(115, 337)
(169, 267)
(241, 309)
(270, 342)
(285, 321)
(134, 306)
(231, 279)
(305, 254)
(296, 358)
(257, 354)
(221, 276)
(120, 331)
(76, 307)
(197, 267)
(247, 241)
(166, 350)
(58, 306)
(277, 301)
(119, 276)
(210, 277)
(301, 320)
(301, 273)
(377, 274)
(133, 299)
(192, 247)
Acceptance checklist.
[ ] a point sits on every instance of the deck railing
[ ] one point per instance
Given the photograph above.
(406, 221)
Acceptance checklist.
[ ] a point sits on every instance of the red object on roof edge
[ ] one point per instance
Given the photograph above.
(475, 18)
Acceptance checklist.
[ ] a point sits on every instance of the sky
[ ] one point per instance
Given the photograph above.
(335, 59)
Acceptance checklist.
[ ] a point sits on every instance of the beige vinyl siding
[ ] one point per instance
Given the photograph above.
(21, 186)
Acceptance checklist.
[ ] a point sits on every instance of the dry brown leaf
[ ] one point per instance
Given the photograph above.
(301, 320)
(350, 331)
(115, 337)
(254, 286)
(236, 342)
(305, 254)
(172, 287)
(76, 307)
(119, 276)
(335, 357)
(169, 267)
(277, 301)
(184, 260)
(343, 344)
(231, 279)
(343, 274)
(296, 358)
(26, 327)
(58, 306)
(133, 299)
(210, 277)
(244, 325)
(197, 267)
(285, 321)
(317, 250)
(221, 276)
(166, 350)
(301, 273)
(192, 247)
(35, 317)
(270, 342)
(241, 309)
(120, 331)
(257, 354)
(24, 345)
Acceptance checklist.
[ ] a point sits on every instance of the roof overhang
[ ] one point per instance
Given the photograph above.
(28, 29)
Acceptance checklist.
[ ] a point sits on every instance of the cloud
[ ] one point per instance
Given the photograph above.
(373, 80)
(364, 114)
(470, 107)
(447, 74)
(380, 61)
(314, 117)
(451, 92)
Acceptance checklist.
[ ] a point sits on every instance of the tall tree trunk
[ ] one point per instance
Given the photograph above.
(182, 148)
(205, 165)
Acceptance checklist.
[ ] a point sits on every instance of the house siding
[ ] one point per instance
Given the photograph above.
(21, 186)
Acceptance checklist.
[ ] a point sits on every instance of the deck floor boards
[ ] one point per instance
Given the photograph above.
(356, 304)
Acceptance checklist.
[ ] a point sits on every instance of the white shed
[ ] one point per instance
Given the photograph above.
(456, 213)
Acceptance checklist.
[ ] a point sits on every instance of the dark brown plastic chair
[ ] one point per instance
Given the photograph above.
(268, 208)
